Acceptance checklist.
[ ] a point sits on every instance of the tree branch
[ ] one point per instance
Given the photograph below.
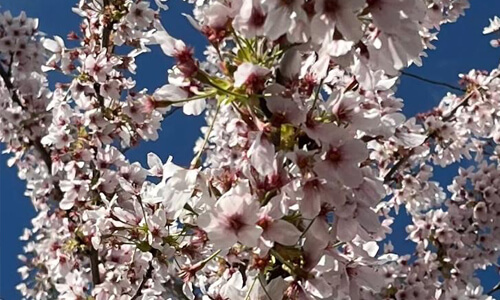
(106, 33)
(444, 84)
(45, 156)
(36, 143)
(494, 289)
(6, 79)
(94, 266)
(107, 29)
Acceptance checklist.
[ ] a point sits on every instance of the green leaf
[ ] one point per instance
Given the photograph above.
(143, 246)
(287, 137)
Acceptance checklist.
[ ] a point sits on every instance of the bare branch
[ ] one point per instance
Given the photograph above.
(494, 289)
(444, 84)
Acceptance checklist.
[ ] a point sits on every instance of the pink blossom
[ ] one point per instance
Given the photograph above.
(340, 158)
(234, 219)
(252, 77)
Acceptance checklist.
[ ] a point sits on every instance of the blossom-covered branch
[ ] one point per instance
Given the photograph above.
(294, 185)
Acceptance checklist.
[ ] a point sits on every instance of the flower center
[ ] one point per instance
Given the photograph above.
(287, 2)
(235, 223)
(334, 155)
(264, 222)
(331, 7)
(254, 84)
(257, 18)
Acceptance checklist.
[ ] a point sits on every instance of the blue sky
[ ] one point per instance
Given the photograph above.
(461, 47)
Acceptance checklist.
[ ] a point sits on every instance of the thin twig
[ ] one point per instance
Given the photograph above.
(316, 96)
(450, 86)
(307, 229)
(464, 102)
(264, 287)
(247, 296)
(197, 159)
(494, 289)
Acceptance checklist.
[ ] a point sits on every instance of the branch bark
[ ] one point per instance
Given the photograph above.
(94, 266)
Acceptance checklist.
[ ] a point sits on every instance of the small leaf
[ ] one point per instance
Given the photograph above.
(287, 137)
(143, 246)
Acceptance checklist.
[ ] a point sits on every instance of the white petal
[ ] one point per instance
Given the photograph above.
(318, 287)
(347, 229)
(66, 203)
(154, 161)
(283, 232)
(194, 108)
(410, 140)
(51, 45)
(249, 235)
(187, 289)
(169, 169)
(261, 155)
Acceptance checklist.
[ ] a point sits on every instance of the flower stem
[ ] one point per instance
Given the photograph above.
(195, 163)
(166, 103)
(210, 257)
(282, 260)
(247, 296)
(264, 287)
(316, 96)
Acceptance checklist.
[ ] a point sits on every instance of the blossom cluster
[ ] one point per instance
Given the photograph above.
(293, 187)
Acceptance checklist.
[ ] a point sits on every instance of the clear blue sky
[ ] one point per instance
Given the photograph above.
(461, 47)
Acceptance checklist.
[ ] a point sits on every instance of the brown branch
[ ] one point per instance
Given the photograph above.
(106, 33)
(6, 79)
(45, 156)
(464, 102)
(36, 143)
(43, 153)
(107, 29)
(94, 266)
(444, 84)
(177, 289)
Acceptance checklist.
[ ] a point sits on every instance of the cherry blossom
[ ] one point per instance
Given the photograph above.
(299, 174)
